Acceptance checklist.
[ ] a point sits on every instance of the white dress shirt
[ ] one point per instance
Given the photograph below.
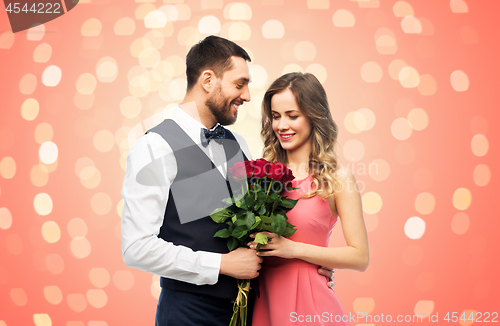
(144, 209)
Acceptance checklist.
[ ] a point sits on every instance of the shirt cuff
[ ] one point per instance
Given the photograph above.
(209, 267)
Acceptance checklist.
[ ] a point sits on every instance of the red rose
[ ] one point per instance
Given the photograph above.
(249, 166)
(238, 171)
(261, 166)
(288, 177)
(277, 171)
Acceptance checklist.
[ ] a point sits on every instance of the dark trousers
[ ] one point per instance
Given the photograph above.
(176, 308)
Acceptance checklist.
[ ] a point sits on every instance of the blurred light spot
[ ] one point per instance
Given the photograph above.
(369, 3)
(178, 63)
(259, 75)
(137, 46)
(427, 26)
(80, 247)
(76, 302)
(43, 133)
(409, 77)
(459, 6)
(42, 53)
(414, 227)
(318, 4)
(54, 263)
(353, 150)
(424, 308)
(386, 44)
(412, 255)
(238, 11)
(90, 177)
(363, 305)
(273, 29)
(155, 287)
(469, 35)
(123, 280)
(317, 70)
(371, 222)
(427, 85)
(52, 294)
(139, 86)
(371, 72)
(83, 101)
(411, 25)
(209, 25)
(42, 204)
(96, 323)
(482, 175)
(7, 167)
(459, 81)
(51, 232)
(119, 207)
(183, 11)
(82, 163)
(155, 19)
(212, 4)
(97, 298)
(343, 18)
(460, 223)
(36, 33)
(395, 67)
(101, 203)
(402, 9)
(130, 107)
(91, 27)
(480, 145)
(18, 297)
(156, 38)
(106, 70)
(188, 36)
(170, 12)
(177, 88)
(5, 218)
(379, 169)
(425, 203)
(418, 119)
(124, 26)
(51, 76)
(39, 175)
(27, 84)
(350, 123)
(372, 202)
(462, 198)
(7, 40)
(86, 83)
(423, 178)
(99, 277)
(400, 129)
(42, 320)
(104, 141)
(364, 119)
(48, 152)
(77, 228)
(305, 50)
(405, 153)
(238, 31)
(291, 67)
(479, 125)
(30, 109)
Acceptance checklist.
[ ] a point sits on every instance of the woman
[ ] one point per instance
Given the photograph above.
(299, 131)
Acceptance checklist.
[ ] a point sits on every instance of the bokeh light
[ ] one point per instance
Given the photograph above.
(7, 167)
(462, 198)
(372, 202)
(43, 204)
(414, 228)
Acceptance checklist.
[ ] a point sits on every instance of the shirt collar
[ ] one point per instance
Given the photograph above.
(189, 124)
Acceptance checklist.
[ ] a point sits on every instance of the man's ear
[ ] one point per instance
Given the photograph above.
(207, 79)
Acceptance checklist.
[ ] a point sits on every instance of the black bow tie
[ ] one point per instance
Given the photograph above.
(217, 134)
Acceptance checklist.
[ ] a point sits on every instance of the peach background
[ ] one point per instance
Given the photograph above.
(430, 129)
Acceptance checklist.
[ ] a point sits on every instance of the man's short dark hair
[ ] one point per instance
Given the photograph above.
(212, 53)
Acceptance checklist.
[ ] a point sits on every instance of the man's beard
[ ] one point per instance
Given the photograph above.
(220, 110)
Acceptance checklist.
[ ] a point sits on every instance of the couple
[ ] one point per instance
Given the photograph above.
(177, 174)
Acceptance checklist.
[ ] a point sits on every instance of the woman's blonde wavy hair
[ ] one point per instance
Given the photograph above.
(313, 103)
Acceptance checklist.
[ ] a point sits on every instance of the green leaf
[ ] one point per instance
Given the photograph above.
(220, 216)
(240, 231)
(262, 210)
(289, 230)
(261, 238)
(242, 204)
(288, 203)
(279, 223)
(224, 233)
(261, 198)
(249, 199)
(250, 219)
(232, 244)
(257, 221)
(273, 197)
(228, 201)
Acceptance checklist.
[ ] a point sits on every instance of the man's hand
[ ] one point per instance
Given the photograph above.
(241, 263)
(329, 274)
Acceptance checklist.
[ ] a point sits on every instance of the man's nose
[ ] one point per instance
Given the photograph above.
(245, 96)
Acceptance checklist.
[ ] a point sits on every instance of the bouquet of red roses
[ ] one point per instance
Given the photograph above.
(260, 208)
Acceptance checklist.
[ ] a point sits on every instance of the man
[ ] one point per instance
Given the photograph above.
(176, 175)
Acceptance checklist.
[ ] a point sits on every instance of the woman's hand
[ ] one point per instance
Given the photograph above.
(276, 246)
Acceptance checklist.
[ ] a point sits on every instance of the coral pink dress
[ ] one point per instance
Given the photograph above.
(291, 290)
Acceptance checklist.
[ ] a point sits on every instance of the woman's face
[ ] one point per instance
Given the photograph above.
(292, 128)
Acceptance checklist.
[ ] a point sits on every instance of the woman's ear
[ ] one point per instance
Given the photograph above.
(207, 79)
